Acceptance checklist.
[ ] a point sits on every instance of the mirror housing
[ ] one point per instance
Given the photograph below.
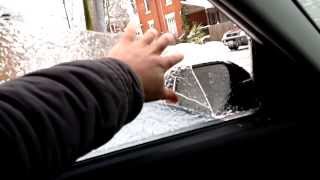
(213, 88)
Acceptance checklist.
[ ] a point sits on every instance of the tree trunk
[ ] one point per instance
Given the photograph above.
(94, 14)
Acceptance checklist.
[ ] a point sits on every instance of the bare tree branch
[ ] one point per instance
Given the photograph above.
(65, 10)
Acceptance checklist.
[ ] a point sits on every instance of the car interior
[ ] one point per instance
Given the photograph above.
(280, 135)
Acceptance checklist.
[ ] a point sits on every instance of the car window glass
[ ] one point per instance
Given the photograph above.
(312, 7)
(213, 82)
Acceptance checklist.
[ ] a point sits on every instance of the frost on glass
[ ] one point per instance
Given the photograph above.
(23, 49)
(60, 36)
(185, 83)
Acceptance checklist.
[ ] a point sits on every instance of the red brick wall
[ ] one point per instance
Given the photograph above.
(144, 18)
(199, 17)
(158, 11)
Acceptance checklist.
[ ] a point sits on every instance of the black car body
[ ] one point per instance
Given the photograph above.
(280, 138)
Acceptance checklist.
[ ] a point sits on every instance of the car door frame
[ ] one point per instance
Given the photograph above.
(236, 140)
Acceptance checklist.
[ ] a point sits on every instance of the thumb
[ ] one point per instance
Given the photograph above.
(170, 95)
(130, 32)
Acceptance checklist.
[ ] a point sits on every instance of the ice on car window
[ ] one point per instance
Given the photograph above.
(213, 82)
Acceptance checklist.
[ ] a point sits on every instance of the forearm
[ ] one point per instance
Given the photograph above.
(53, 116)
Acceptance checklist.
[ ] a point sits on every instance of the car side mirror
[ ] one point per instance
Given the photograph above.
(213, 88)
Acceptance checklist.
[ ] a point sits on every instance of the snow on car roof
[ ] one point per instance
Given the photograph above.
(198, 53)
(209, 52)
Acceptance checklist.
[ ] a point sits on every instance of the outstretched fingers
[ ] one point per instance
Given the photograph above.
(129, 33)
(150, 36)
(163, 42)
(169, 95)
(168, 61)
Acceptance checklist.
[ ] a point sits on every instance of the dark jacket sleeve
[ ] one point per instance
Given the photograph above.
(51, 117)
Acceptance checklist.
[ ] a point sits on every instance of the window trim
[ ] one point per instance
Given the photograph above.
(169, 16)
(169, 2)
(151, 23)
(147, 9)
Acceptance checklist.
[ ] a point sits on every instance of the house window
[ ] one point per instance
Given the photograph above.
(147, 6)
(151, 24)
(171, 23)
(168, 2)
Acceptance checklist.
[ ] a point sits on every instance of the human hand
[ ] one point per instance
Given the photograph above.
(144, 58)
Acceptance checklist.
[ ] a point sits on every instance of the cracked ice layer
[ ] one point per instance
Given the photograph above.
(187, 87)
(24, 49)
(158, 120)
(155, 121)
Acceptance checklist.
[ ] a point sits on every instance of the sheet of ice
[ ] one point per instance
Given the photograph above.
(158, 120)
(24, 49)
(155, 121)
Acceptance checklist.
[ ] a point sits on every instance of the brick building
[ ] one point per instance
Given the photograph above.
(163, 15)
(202, 12)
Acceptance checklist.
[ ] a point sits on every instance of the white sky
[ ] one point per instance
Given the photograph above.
(35, 11)
(44, 13)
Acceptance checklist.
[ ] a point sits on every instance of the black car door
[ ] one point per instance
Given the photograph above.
(278, 133)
